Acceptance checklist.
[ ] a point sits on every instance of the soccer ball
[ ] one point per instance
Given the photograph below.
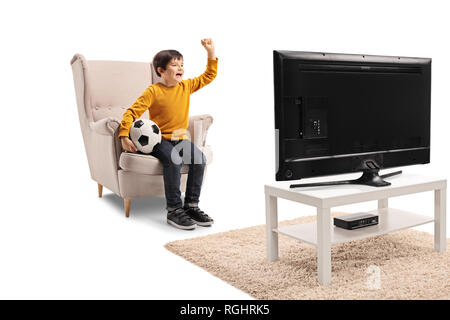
(145, 134)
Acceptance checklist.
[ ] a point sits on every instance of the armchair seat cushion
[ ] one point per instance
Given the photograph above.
(147, 164)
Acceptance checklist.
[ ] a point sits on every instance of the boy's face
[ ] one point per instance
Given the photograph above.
(173, 73)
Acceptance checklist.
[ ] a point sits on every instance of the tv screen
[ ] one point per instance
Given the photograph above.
(339, 113)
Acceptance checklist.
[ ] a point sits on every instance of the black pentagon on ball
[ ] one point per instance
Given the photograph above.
(143, 140)
(138, 124)
(155, 128)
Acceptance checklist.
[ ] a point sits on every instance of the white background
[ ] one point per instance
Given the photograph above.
(59, 240)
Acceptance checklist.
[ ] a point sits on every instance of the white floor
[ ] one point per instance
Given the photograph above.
(75, 245)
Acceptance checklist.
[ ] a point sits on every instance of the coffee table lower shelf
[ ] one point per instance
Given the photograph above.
(389, 220)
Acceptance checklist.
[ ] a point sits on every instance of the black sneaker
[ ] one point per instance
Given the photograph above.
(179, 219)
(198, 216)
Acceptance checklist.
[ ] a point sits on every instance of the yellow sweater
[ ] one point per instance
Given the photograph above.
(168, 106)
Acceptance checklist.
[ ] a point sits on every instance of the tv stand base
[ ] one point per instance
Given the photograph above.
(370, 177)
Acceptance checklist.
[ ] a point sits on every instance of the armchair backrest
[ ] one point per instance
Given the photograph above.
(110, 87)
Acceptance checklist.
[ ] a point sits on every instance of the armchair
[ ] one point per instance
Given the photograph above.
(104, 90)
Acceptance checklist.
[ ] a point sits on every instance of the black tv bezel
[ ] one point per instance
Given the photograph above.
(295, 169)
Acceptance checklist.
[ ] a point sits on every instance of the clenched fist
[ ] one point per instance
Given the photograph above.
(208, 44)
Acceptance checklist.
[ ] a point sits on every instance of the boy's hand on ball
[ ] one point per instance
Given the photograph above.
(128, 145)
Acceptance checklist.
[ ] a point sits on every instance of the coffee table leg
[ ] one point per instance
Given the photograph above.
(440, 196)
(271, 223)
(383, 203)
(324, 246)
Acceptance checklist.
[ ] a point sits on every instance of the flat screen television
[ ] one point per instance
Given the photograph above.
(342, 113)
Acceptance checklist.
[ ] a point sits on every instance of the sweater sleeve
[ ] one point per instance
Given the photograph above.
(207, 76)
(135, 111)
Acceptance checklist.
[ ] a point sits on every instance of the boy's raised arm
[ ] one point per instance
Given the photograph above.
(211, 68)
(208, 44)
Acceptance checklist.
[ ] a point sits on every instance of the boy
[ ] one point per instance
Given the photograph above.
(168, 105)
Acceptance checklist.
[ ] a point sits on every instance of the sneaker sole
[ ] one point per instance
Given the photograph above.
(180, 226)
(203, 224)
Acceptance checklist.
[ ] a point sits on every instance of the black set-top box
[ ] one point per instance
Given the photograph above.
(356, 220)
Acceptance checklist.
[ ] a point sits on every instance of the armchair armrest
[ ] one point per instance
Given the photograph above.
(106, 127)
(104, 142)
(198, 128)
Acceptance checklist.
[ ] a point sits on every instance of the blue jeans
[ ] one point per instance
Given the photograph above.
(173, 154)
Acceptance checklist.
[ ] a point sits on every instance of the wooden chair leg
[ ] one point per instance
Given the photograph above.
(127, 204)
(100, 190)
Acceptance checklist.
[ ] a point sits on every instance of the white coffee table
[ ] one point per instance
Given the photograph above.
(323, 233)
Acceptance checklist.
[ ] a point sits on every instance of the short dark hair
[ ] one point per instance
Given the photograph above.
(163, 58)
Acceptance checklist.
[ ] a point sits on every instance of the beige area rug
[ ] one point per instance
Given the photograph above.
(400, 265)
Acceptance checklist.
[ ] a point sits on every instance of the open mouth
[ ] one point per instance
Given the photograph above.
(179, 74)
